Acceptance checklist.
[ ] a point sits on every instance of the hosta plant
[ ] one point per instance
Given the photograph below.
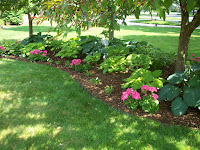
(183, 89)
(147, 100)
(143, 77)
(113, 64)
(93, 58)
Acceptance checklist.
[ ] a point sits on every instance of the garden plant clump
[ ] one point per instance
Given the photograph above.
(131, 65)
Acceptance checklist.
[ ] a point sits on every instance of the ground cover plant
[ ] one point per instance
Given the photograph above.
(44, 108)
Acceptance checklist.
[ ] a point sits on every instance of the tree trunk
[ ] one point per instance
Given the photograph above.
(111, 34)
(182, 51)
(30, 22)
(186, 30)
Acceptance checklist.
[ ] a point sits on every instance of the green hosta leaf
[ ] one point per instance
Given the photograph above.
(176, 78)
(168, 3)
(199, 107)
(148, 76)
(196, 67)
(156, 73)
(169, 92)
(191, 96)
(194, 81)
(157, 83)
(190, 5)
(179, 107)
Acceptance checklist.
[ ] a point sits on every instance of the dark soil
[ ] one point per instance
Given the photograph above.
(164, 115)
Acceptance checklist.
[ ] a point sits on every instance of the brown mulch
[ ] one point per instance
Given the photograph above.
(190, 119)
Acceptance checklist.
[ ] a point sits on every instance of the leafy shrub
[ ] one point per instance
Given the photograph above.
(77, 66)
(88, 73)
(57, 62)
(183, 89)
(70, 49)
(38, 38)
(91, 44)
(1, 23)
(109, 89)
(95, 81)
(30, 47)
(13, 17)
(116, 50)
(113, 64)
(56, 45)
(135, 61)
(93, 59)
(147, 99)
(143, 77)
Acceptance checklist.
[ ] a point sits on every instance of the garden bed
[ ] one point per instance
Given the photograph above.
(164, 115)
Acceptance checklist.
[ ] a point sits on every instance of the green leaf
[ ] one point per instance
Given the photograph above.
(191, 96)
(176, 78)
(190, 5)
(137, 13)
(179, 107)
(168, 3)
(196, 67)
(194, 81)
(148, 76)
(169, 92)
(156, 73)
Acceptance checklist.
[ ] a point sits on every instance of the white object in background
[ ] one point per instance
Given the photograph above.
(104, 41)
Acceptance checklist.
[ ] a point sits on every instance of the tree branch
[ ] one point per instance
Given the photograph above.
(195, 22)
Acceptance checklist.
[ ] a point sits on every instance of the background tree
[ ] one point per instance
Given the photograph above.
(30, 7)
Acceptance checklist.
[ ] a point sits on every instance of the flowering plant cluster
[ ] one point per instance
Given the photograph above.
(1, 50)
(77, 66)
(197, 59)
(75, 62)
(38, 55)
(147, 99)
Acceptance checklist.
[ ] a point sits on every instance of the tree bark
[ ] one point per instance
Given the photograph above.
(186, 30)
(30, 22)
(111, 26)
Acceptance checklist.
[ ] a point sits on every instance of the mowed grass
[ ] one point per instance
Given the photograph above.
(160, 22)
(42, 107)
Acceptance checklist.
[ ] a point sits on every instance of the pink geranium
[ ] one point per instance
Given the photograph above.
(136, 95)
(155, 96)
(44, 55)
(2, 48)
(129, 90)
(45, 52)
(36, 51)
(152, 89)
(125, 95)
(145, 88)
(31, 52)
(75, 62)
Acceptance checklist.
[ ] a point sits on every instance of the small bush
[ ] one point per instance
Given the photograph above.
(13, 17)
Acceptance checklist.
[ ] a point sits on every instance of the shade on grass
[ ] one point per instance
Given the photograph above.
(42, 107)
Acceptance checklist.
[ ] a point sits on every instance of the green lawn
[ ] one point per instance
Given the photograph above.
(42, 107)
(159, 22)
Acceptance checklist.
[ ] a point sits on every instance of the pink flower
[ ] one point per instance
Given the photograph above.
(44, 55)
(136, 95)
(31, 52)
(193, 55)
(129, 90)
(155, 96)
(45, 52)
(71, 64)
(36, 51)
(145, 88)
(124, 96)
(152, 89)
(198, 58)
(40, 51)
